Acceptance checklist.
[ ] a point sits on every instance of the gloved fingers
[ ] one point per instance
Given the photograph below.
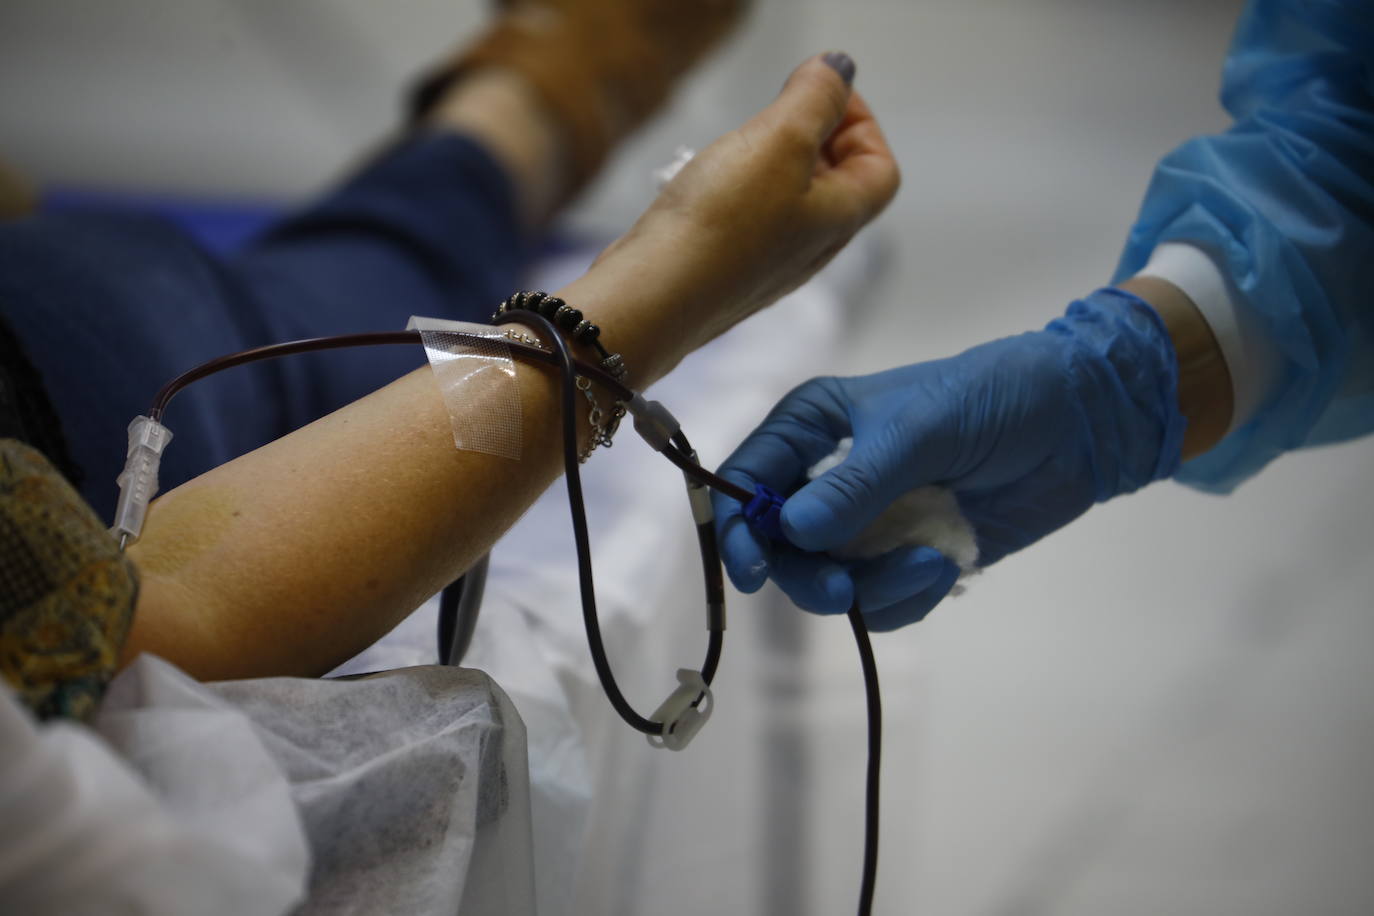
(831, 510)
(814, 582)
(804, 427)
(896, 576)
(913, 609)
(768, 458)
(743, 551)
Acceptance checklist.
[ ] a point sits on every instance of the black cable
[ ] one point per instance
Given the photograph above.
(705, 477)
(712, 573)
(572, 477)
(875, 753)
(459, 605)
(272, 351)
(449, 599)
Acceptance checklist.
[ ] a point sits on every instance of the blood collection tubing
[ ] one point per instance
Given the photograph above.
(661, 431)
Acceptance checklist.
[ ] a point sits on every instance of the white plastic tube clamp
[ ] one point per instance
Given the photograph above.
(680, 717)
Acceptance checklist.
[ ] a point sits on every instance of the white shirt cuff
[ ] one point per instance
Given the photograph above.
(1251, 357)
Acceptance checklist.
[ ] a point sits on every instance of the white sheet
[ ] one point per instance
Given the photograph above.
(405, 792)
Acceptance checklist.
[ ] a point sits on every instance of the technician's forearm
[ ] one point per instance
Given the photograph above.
(1204, 384)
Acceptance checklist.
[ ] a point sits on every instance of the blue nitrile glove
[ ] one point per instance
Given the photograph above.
(1028, 431)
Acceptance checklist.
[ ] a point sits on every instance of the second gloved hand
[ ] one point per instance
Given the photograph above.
(1028, 432)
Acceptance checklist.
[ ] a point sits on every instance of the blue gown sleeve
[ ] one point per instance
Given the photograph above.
(1284, 202)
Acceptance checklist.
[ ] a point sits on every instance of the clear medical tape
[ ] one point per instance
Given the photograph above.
(478, 382)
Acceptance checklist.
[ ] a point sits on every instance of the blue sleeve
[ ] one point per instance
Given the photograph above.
(1284, 200)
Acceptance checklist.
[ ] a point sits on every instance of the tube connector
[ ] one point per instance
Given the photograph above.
(653, 422)
(138, 481)
(684, 712)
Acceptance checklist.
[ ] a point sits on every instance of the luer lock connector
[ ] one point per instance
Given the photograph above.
(138, 481)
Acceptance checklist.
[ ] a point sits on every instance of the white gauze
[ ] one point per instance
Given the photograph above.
(925, 516)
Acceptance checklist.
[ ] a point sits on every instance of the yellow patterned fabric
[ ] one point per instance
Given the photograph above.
(66, 592)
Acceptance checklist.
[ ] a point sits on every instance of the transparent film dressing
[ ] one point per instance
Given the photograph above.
(478, 383)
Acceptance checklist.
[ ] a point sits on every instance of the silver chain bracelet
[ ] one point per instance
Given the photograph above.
(603, 430)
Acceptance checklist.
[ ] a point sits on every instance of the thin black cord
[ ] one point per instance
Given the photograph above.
(573, 479)
(712, 572)
(272, 351)
(875, 753)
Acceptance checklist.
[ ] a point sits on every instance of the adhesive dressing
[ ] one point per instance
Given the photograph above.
(478, 382)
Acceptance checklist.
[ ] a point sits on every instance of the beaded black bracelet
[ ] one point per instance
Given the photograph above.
(569, 319)
(582, 331)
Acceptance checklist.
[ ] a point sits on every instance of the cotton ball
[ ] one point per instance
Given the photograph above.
(833, 460)
(925, 516)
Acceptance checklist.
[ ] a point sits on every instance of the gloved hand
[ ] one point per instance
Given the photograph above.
(1028, 432)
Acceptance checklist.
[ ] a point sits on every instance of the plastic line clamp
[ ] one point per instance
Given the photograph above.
(684, 712)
